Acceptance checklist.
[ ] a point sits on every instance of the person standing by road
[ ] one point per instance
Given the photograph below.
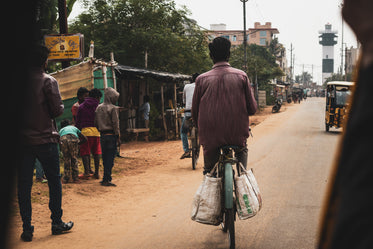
(85, 120)
(71, 137)
(222, 102)
(187, 100)
(81, 94)
(40, 140)
(107, 122)
(145, 109)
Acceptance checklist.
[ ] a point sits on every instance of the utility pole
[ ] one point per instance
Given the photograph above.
(62, 17)
(291, 62)
(244, 35)
(342, 50)
(303, 75)
(294, 66)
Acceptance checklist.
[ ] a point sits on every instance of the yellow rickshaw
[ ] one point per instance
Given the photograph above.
(338, 93)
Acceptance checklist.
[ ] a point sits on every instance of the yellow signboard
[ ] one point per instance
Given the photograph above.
(64, 47)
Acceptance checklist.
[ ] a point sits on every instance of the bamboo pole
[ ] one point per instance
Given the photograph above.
(175, 106)
(163, 114)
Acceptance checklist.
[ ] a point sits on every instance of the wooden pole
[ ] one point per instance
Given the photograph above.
(175, 106)
(113, 71)
(163, 114)
(104, 69)
(62, 18)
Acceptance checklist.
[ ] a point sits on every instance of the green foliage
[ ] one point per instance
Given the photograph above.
(304, 77)
(338, 77)
(261, 64)
(131, 28)
(47, 15)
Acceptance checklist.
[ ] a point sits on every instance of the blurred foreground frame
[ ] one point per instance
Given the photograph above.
(22, 33)
(347, 220)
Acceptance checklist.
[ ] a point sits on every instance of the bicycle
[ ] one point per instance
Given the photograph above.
(225, 169)
(194, 145)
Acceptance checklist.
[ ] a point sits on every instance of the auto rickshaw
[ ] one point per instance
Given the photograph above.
(337, 96)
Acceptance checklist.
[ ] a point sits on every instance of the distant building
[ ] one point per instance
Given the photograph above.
(327, 39)
(352, 55)
(260, 35)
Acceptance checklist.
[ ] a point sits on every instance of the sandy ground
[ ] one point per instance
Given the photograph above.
(149, 208)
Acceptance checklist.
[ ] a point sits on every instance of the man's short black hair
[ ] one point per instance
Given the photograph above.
(194, 77)
(39, 55)
(95, 93)
(81, 91)
(146, 98)
(220, 49)
(65, 123)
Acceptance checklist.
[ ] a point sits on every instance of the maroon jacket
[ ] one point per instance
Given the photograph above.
(222, 102)
(86, 113)
(43, 105)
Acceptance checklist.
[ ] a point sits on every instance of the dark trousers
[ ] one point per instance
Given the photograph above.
(109, 149)
(211, 159)
(48, 156)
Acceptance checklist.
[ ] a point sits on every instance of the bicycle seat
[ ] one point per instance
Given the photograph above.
(225, 147)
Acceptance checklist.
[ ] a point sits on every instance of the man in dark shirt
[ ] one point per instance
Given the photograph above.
(222, 102)
(39, 140)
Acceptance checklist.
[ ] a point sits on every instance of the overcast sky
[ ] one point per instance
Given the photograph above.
(298, 22)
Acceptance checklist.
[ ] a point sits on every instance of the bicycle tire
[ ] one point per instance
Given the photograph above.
(230, 214)
(194, 159)
(224, 225)
(195, 156)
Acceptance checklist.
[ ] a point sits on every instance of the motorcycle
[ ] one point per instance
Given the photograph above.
(277, 106)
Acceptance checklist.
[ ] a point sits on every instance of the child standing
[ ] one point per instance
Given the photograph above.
(71, 137)
(85, 122)
(107, 122)
(81, 94)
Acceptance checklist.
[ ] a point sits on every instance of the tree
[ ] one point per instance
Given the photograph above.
(47, 15)
(338, 77)
(276, 48)
(261, 64)
(133, 28)
(305, 77)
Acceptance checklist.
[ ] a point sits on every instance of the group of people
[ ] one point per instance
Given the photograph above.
(95, 127)
(219, 103)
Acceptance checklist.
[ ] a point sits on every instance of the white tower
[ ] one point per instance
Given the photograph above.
(327, 39)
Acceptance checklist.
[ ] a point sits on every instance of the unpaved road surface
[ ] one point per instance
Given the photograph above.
(290, 153)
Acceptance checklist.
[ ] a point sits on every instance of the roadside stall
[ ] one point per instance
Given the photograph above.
(162, 88)
(92, 73)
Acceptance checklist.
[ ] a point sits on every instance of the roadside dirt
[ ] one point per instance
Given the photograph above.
(143, 168)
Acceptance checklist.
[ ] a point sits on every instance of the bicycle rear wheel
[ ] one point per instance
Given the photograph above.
(229, 211)
(195, 156)
(229, 217)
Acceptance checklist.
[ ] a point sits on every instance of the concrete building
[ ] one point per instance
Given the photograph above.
(260, 35)
(352, 55)
(327, 39)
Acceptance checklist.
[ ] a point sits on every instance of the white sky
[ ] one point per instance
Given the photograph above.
(297, 20)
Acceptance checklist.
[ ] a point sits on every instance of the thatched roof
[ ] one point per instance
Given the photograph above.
(157, 75)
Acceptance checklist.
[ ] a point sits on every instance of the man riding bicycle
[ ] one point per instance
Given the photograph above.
(222, 102)
(187, 100)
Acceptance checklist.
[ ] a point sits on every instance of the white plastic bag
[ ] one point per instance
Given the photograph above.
(248, 198)
(206, 207)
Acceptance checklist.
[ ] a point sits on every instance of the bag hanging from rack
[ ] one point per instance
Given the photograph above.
(206, 207)
(248, 197)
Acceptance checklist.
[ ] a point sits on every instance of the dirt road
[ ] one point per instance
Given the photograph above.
(291, 156)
